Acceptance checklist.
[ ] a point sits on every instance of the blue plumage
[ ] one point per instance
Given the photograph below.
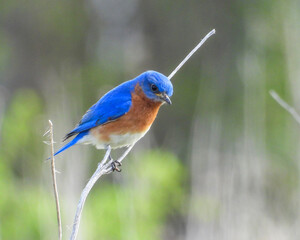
(117, 102)
(111, 106)
(71, 143)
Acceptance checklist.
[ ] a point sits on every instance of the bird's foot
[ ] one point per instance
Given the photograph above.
(115, 165)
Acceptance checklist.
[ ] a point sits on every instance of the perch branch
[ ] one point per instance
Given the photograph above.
(104, 167)
(212, 32)
(54, 182)
(286, 106)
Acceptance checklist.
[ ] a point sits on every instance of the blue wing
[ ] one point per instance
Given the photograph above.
(111, 106)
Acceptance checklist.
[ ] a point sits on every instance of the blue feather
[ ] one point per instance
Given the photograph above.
(111, 106)
(74, 141)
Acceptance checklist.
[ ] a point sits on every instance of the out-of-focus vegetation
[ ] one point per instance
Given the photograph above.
(221, 163)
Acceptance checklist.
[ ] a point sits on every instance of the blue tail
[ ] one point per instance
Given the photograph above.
(74, 141)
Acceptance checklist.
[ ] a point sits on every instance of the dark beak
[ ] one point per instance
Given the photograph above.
(165, 98)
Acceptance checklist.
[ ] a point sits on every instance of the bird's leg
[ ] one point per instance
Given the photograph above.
(118, 163)
(115, 164)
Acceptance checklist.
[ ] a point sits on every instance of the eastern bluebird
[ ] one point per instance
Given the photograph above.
(123, 115)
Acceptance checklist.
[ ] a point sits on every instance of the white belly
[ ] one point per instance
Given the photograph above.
(116, 141)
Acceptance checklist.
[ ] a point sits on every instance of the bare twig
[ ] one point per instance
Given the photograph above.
(286, 106)
(104, 167)
(212, 32)
(54, 182)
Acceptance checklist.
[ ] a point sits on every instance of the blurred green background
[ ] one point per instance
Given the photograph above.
(221, 163)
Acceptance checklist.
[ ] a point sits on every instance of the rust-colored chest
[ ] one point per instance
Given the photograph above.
(139, 118)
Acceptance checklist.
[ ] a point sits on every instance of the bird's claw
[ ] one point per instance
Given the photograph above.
(115, 165)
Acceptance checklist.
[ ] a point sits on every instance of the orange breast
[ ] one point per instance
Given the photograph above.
(139, 118)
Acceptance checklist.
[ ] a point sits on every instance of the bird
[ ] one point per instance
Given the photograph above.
(123, 115)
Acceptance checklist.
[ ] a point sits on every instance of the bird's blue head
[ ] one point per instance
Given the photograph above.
(156, 86)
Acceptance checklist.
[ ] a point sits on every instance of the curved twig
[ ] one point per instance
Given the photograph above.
(54, 182)
(286, 106)
(212, 32)
(104, 167)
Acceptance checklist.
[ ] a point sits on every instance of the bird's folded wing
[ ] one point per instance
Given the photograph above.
(107, 109)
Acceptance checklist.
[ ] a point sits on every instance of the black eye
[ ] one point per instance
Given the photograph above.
(154, 88)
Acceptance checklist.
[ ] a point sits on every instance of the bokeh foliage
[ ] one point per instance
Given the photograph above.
(228, 164)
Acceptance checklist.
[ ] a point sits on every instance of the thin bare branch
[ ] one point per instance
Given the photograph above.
(47, 132)
(104, 167)
(286, 106)
(54, 182)
(212, 32)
